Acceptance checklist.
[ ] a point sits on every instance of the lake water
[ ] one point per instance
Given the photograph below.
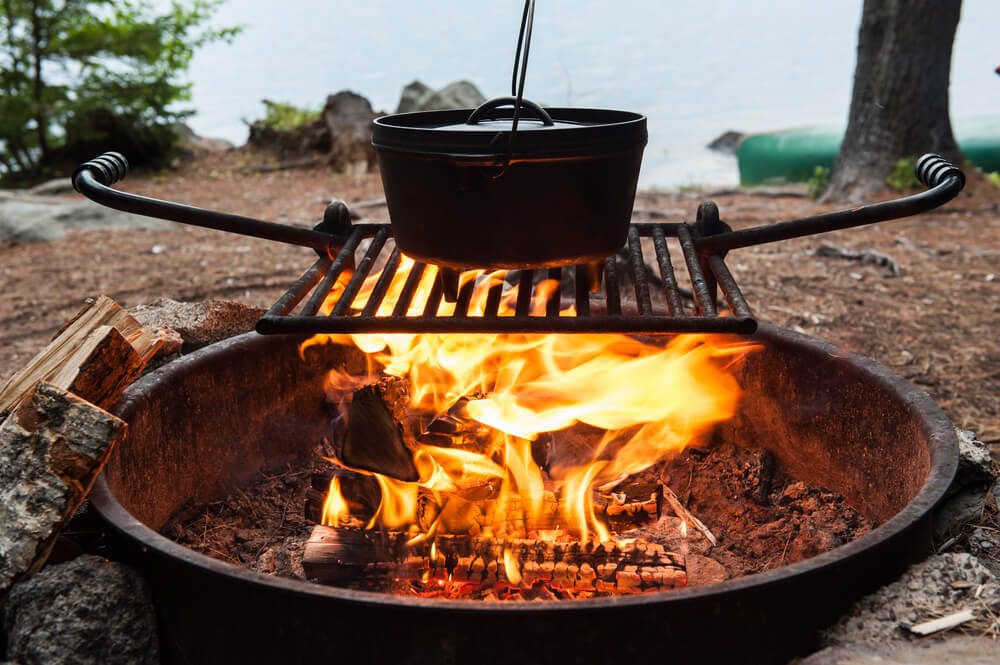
(695, 69)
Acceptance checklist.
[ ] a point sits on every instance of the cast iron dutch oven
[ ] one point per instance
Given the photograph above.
(475, 188)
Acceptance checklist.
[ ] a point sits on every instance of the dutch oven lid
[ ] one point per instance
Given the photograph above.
(488, 131)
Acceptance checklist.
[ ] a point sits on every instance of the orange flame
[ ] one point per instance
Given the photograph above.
(649, 401)
(335, 509)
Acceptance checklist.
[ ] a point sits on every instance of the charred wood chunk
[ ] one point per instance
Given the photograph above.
(619, 508)
(381, 433)
(336, 555)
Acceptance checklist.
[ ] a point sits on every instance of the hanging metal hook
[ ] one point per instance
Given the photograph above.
(519, 76)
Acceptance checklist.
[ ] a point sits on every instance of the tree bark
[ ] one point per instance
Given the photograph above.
(52, 447)
(899, 108)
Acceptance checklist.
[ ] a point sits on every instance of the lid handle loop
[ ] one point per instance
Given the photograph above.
(485, 108)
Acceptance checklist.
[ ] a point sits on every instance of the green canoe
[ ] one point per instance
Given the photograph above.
(792, 155)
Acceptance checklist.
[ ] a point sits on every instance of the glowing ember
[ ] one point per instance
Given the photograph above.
(643, 402)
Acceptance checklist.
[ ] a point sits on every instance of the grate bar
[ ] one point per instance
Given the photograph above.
(384, 280)
(582, 284)
(595, 312)
(333, 274)
(434, 299)
(612, 292)
(638, 266)
(464, 298)
(673, 295)
(555, 298)
(409, 288)
(699, 286)
(730, 289)
(360, 273)
(287, 302)
(524, 288)
(493, 301)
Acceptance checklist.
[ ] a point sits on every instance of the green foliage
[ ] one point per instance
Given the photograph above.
(819, 181)
(993, 178)
(283, 117)
(903, 175)
(82, 73)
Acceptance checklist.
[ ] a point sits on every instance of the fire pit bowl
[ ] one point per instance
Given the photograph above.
(202, 424)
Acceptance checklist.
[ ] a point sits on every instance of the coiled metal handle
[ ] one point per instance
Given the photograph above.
(107, 169)
(933, 169)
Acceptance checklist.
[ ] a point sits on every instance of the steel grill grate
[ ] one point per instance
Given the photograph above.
(347, 294)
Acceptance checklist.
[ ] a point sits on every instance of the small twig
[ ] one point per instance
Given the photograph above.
(687, 516)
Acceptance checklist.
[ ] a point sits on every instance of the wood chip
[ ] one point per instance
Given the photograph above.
(944, 623)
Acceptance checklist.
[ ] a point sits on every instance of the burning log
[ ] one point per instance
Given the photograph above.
(360, 491)
(473, 508)
(96, 355)
(380, 432)
(339, 555)
(52, 446)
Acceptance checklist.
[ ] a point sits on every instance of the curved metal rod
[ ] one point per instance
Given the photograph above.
(944, 179)
(88, 181)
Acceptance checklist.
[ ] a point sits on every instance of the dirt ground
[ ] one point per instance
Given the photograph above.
(936, 323)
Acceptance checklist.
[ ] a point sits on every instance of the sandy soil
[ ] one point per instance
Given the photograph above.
(936, 323)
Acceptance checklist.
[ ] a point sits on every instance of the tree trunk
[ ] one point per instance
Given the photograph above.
(38, 85)
(899, 107)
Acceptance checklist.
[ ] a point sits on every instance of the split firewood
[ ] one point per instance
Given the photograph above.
(344, 554)
(52, 447)
(381, 433)
(96, 355)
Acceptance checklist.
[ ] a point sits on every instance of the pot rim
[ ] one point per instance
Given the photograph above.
(577, 131)
(943, 463)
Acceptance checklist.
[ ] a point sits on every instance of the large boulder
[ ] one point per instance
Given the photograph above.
(342, 133)
(458, 95)
(29, 218)
(88, 611)
(348, 118)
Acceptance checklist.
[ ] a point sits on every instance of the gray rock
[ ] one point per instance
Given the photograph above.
(197, 324)
(191, 143)
(458, 95)
(727, 142)
(348, 117)
(954, 651)
(29, 218)
(975, 465)
(86, 611)
(960, 510)
(943, 584)
(970, 490)
(413, 96)
(985, 543)
(57, 187)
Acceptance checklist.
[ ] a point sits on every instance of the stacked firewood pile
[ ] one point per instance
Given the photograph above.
(56, 434)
